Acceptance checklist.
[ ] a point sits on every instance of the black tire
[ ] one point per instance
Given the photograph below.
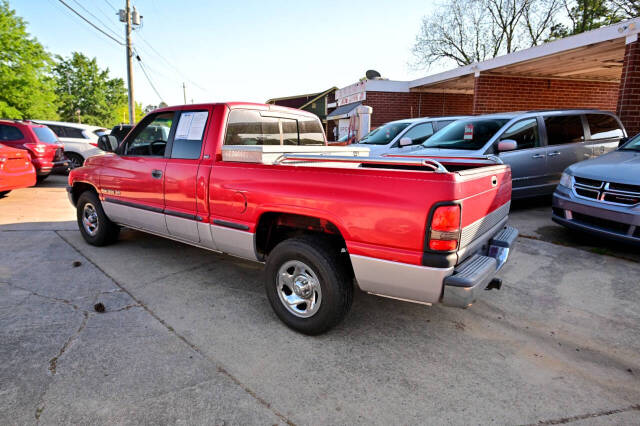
(41, 178)
(105, 232)
(4, 193)
(75, 160)
(331, 270)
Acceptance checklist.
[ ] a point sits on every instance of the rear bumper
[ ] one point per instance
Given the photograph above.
(44, 167)
(462, 288)
(453, 286)
(15, 180)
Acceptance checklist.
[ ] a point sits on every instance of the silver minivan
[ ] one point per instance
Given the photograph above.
(402, 136)
(538, 145)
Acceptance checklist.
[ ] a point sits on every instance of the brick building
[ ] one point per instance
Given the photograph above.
(597, 69)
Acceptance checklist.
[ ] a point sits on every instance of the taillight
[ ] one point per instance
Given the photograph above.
(37, 148)
(445, 228)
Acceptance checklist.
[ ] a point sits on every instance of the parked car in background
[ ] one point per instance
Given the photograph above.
(403, 136)
(259, 182)
(16, 170)
(602, 196)
(80, 140)
(45, 150)
(538, 145)
(120, 131)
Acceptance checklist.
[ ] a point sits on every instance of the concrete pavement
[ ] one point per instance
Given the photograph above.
(188, 337)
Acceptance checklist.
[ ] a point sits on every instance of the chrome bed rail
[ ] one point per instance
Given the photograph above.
(436, 166)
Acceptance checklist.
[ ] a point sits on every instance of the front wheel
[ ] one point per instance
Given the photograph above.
(95, 226)
(308, 284)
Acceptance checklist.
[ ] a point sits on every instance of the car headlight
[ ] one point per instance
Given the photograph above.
(566, 180)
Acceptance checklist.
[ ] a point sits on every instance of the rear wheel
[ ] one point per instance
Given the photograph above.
(95, 226)
(309, 286)
(75, 160)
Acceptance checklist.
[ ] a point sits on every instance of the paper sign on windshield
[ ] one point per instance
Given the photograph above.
(468, 131)
(191, 125)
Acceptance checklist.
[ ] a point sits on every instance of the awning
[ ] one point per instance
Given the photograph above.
(343, 111)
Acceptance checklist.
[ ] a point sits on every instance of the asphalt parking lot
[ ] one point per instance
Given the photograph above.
(188, 336)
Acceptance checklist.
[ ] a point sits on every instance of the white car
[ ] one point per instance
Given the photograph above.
(80, 140)
(402, 136)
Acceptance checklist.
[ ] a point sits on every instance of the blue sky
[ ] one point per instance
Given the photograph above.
(239, 50)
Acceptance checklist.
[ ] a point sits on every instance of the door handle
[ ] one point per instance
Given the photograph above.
(156, 174)
(538, 156)
(553, 154)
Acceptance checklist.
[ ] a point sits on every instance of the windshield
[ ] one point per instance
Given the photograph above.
(632, 145)
(466, 134)
(45, 135)
(384, 134)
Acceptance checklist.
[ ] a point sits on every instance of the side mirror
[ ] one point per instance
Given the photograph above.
(108, 143)
(405, 141)
(507, 145)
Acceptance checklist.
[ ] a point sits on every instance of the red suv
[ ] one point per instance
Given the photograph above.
(47, 153)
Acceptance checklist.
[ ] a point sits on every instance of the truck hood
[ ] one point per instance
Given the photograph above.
(616, 166)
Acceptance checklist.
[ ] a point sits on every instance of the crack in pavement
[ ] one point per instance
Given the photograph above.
(33, 293)
(219, 368)
(566, 420)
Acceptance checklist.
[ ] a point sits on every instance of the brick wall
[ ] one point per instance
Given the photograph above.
(499, 94)
(629, 94)
(390, 106)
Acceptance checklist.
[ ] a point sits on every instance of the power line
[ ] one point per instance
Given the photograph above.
(112, 7)
(90, 23)
(169, 63)
(144, 71)
(96, 18)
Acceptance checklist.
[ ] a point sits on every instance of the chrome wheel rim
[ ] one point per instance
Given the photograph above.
(74, 162)
(90, 219)
(299, 289)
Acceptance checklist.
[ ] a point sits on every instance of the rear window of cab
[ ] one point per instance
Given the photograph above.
(249, 127)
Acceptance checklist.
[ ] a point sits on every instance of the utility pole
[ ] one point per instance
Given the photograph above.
(184, 93)
(130, 19)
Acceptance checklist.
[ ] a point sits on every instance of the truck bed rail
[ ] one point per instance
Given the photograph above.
(436, 166)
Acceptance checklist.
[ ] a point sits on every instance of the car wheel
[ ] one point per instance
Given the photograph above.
(95, 226)
(4, 193)
(75, 160)
(308, 284)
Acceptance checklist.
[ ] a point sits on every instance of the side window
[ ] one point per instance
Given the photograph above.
(419, 133)
(187, 142)
(524, 132)
(603, 126)
(562, 129)
(310, 131)
(73, 132)
(150, 139)
(246, 127)
(58, 130)
(10, 133)
(289, 131)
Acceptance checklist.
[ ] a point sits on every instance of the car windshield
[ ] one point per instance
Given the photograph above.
(466, 134)
(632, 145)
(383, 134)
(45, 135)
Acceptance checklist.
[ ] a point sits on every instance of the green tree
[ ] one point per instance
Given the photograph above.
(26, 91)
(586, 15)
(123, 112)
(86, 92)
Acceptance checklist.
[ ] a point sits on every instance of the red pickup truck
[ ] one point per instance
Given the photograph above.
(258, 182)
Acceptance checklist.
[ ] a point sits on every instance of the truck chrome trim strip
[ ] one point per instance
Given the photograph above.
(235, 242)
(180, 214)
(422, 284)
(232, 225)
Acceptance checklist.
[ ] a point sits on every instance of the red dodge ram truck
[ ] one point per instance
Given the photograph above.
(259, 182)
